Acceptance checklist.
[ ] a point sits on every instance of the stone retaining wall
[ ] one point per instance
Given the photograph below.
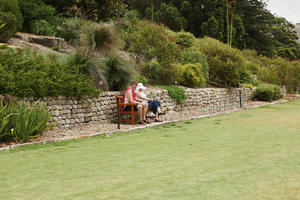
(71, 111)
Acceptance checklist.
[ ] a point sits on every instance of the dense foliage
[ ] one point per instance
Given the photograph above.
(176, 93)
(10, 15)
(226, 64)
(267, 92)
(36, 12)
(158, 74)
(18, 122)
(106, 52)
(148, 41)
(191, 75)
(253, 26)
(23, 74)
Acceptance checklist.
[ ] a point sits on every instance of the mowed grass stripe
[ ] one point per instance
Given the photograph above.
(251, 154)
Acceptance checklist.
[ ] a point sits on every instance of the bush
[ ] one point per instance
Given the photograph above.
(142, 79)
(70, 30)
(33, 10)
(10, 27)
(151, 41)
(185, 39)
(156, 73)
(191, 75)
(10, 15)
(18, 122)
(267, 92)
(192, 56)
(176, 93)
(226, 64)
(23, 74)
(42, 27)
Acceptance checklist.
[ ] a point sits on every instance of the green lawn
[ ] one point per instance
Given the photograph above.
(246, 155)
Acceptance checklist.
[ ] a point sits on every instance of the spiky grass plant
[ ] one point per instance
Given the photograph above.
(99, 39)
(19, 122)
(95, 67)
(4, 120)
(119, 72)
(28, 122)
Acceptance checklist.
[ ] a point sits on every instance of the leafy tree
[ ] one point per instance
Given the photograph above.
(254, 27)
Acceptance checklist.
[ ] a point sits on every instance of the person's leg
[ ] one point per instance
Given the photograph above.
(140, 112)
(145, 110)
(157, 110)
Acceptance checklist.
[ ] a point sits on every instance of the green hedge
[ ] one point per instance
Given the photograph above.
(267, 92)
(26, 75)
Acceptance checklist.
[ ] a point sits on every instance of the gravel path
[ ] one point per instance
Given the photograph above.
(93, 129)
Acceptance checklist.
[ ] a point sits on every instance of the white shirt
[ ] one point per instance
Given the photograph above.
(142, 94)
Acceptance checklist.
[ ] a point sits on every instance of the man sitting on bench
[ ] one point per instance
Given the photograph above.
(130, 97)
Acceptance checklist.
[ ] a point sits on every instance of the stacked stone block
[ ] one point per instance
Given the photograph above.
(73, 111)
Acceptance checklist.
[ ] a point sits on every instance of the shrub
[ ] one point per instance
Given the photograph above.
(35, 10)
(42, 27)
(18, 122)
(142, 79)
(156, 73)
(70, 30)
(10, 27)
(185, 39)
(267, 92)
(176, 93)
(192, 56)
(23, 74)
(226, 64)
(192, 75)
(10, 15)
(151, 41)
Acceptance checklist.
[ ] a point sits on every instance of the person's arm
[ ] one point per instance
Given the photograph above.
(130, 98)
(138, 94)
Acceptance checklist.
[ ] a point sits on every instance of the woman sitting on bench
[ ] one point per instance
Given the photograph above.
(153, 105)
(130, 97)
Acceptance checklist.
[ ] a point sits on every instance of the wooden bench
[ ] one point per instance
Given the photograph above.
(121, 111)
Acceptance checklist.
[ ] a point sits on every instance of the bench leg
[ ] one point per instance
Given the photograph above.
(132, 115)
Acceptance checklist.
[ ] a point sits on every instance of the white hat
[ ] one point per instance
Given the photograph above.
(140, 86)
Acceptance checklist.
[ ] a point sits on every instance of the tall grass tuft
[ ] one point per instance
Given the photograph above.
(99, 39)
(119, 72)
(19, 122)
(91, 66)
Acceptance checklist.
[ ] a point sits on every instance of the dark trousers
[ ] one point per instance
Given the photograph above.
(153, 105)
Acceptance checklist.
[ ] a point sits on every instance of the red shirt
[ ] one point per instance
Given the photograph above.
(133, 94)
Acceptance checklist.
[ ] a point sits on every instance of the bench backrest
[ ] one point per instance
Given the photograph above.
(119, 99)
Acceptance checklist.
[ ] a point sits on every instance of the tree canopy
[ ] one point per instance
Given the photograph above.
(254, 26)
